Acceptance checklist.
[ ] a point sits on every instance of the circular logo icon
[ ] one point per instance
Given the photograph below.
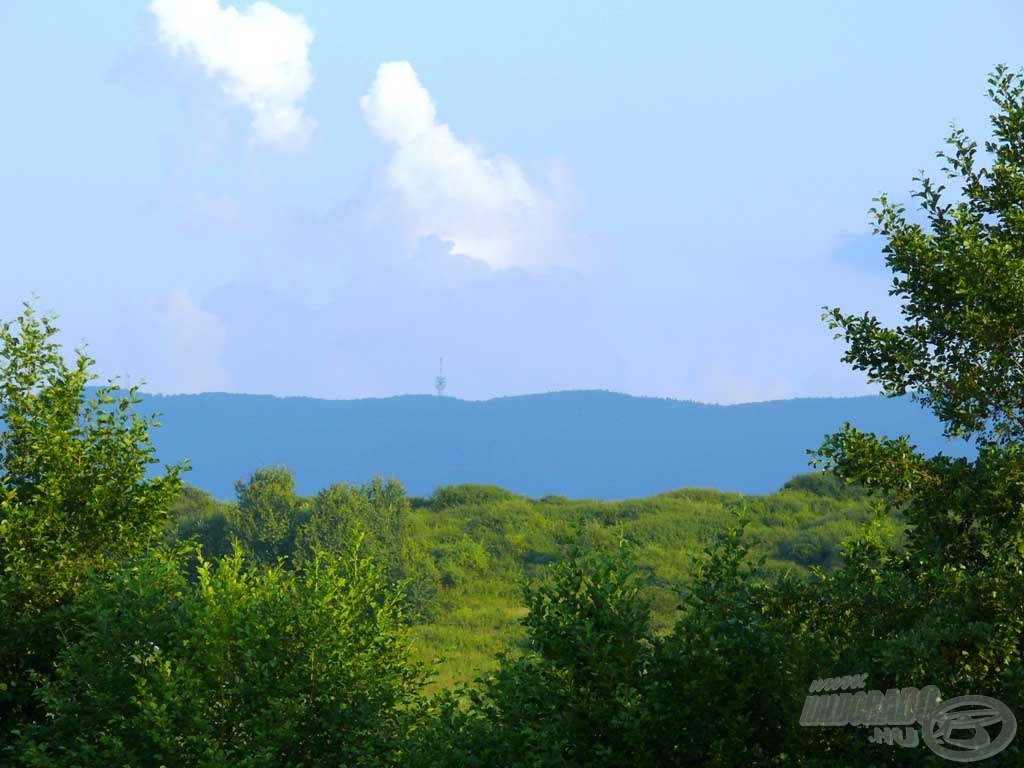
(957, 729)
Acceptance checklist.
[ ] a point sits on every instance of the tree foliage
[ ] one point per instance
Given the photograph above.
(961, 282)
(267, 513)
(243, 667)
(949, 607)
(574, 697)
(74, 494)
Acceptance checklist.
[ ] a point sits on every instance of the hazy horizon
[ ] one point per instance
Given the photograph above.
(144, 391)
(311, 199)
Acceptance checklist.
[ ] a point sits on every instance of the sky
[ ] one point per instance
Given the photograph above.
(323, 199)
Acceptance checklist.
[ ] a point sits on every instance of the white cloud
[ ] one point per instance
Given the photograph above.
(397, 107)
(186, 348)
(259, 56)
(482, 204)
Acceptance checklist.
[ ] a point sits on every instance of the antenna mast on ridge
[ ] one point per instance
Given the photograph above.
(440, 381)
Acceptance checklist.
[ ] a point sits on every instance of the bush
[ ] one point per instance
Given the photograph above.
(245, 667)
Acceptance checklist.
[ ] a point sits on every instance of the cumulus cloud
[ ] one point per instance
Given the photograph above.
(483, 205)
(186, 348)
(259, 56)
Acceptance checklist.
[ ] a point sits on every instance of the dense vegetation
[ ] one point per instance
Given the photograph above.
(463, 553)
(143, 623)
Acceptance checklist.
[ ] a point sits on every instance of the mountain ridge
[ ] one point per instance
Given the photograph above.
(574, 443)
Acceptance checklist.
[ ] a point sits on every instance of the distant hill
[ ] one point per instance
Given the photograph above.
(579, 444)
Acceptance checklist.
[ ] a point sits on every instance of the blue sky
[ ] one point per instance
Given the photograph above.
(322, 199)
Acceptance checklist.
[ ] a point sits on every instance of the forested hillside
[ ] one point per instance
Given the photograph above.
(599, 445)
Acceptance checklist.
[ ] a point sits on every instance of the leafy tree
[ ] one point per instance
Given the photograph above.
(725, 686)
(334, 519)
(961, 281)
(575, 697)
(74, 495)
(244, 667)
(961, 350)
(273, 522)
(949, 608)
(267, 513)
(374, 513)
(383, 515)
(197, 515)
(389, 512)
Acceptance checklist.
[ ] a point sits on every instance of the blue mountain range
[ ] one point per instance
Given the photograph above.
(579, 444)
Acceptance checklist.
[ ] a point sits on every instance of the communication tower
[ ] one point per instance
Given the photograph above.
(440, 381)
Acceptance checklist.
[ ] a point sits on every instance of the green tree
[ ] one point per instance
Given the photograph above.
(725, 686)
(389, 511)
(334, 521)
(197, 515)
(268, 513)
(575, 697)
(74, 495)
(949, 608)
(243, 667)
(961, 282)
(960, 351)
